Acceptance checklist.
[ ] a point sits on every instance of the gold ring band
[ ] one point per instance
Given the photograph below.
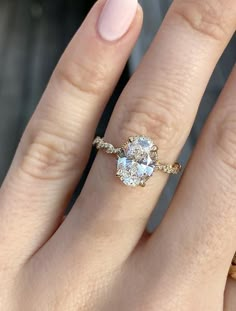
(137, 160)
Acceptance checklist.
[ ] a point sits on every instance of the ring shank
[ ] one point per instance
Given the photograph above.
(107, 147)
(169, 169)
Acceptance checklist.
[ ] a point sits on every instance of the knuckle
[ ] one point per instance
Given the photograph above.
(225, 140)
(84, 78)
(49, 156)
(153, 117)
(205, 17)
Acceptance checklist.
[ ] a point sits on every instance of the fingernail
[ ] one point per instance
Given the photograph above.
(116, 18)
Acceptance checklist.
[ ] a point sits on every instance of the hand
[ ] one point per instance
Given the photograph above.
(99, 258)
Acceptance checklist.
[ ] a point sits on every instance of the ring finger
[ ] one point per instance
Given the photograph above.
(161, 102)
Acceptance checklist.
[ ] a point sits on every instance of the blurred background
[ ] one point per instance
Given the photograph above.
(33, 35)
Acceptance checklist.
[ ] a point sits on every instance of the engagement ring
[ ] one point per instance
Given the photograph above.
(137, 160)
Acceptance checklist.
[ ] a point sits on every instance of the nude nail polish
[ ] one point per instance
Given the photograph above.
(116, 18)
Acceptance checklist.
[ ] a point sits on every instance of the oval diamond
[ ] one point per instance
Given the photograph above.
(136, 163)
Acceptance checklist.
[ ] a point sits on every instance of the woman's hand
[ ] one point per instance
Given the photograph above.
(99, 258)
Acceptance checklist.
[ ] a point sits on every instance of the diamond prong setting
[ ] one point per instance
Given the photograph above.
(143, 184)
(118, 173)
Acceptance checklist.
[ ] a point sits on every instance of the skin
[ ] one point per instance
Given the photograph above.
(100, 257)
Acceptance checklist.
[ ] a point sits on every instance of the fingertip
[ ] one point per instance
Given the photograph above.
(117, 18)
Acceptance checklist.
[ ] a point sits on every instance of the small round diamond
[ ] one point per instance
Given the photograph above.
(136, 164)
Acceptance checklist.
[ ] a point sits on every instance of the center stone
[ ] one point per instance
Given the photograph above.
(136, 163)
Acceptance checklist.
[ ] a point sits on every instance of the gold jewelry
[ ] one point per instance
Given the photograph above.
(137, 160)
(232, 270)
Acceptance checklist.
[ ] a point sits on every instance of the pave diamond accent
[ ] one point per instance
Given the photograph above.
(137, 161)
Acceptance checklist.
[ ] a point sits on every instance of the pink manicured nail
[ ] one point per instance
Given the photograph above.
(116, 18)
